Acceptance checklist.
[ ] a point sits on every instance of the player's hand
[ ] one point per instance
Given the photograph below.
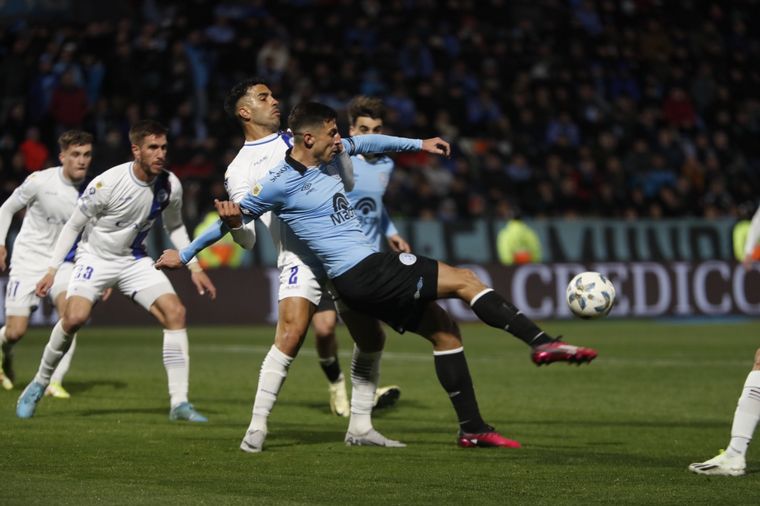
(169, 260)
(106, 294)
(203, 284)
(3, 256)
(436, 146)
(43, 286)
(229, 212)
(398, 244)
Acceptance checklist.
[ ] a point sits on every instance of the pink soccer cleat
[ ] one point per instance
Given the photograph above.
(559, 351)
(488, 439)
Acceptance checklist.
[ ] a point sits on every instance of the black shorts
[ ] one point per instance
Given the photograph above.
(326, 303)
(392, 287)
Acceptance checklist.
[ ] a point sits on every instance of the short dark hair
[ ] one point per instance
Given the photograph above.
(237, 92)
(308, 114)
(74, 138)
(365, 106)
(144, 128)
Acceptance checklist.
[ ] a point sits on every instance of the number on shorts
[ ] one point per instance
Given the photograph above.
(83, 272)
(293, 275)
(12, 288)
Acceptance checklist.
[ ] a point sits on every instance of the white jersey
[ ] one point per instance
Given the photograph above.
(122, 210)
(251, 163)
(49, 199)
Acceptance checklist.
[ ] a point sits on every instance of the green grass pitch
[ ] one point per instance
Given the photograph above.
(621, 430)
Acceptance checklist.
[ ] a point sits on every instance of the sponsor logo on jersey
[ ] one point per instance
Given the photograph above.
(343, 210)
(256, 190)
(98, 185)
(407, 258)
(162, 195)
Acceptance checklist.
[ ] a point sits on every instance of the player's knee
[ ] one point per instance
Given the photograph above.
(74, 319)
(175, 315)
(756, 367)
(15, 331)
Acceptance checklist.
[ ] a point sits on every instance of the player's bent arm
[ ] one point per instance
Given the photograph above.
(378, 143)
(213, 233)
(7, 210)
(66, 239)
(345, 170)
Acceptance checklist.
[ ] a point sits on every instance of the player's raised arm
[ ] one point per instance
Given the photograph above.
(379, 143)
(68, 236)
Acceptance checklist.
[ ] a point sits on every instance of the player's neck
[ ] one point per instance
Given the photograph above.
(304, 156)
(141, 174)
(254, 132)
(70, 180)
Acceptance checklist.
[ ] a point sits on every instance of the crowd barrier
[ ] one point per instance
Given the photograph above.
(712, 288)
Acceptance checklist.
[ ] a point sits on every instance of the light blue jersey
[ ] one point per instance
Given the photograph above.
(312, 200)
(371, 178)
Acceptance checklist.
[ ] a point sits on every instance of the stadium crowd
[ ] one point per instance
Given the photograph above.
(631, 109)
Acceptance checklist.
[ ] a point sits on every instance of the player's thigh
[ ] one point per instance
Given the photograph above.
(438, 327)
(91, 276)
(142, 283)
(457, 282)
(365, 330)
(20, 299)
(61, 283)
(15, 327)
(76, 313)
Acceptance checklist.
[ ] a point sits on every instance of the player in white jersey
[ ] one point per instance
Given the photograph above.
(49, 197)
(371, 176)
(253, 104)
(733, 461)
(116, 212)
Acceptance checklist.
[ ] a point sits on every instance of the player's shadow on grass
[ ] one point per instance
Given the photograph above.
(402, 404)
(78, 387)
(125, 411)
(658, 424)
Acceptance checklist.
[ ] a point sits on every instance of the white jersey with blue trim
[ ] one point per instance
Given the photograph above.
(49, 199)
(122, 209)
(252, 163)
(371, 176)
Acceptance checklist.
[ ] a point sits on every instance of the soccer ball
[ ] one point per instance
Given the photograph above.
(590, 295)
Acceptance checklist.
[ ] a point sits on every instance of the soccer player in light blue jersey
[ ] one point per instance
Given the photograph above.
(397, 288)
(371, 176)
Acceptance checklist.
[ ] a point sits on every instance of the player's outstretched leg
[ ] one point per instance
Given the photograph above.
(56, 347)
(496, 311)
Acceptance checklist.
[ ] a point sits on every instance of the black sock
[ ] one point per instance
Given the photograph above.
(331, 367)
(454, 377)
(497, 312)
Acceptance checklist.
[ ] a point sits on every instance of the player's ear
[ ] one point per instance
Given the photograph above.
(135, 151)
(61, 157)
(308, 139)
(244, 113)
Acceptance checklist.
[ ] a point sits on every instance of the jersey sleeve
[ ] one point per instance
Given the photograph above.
(27, 192)
(95, 197)
(172, 214)
(378, 143)
(236, 184)
(265, 195)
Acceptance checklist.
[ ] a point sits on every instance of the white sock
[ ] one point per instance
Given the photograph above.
(365, 373)
(177, 364)
(56, 347)
(746, 416)
(274, 370)
(65, 363)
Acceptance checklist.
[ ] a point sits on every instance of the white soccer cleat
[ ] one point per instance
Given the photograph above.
(56, 390)
(372, 438)
(722, 465)
(339, 404)
(253, 442)
(386, 397)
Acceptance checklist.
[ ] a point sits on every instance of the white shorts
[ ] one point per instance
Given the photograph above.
(298, 280)
(135, 278)
(20, 299)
